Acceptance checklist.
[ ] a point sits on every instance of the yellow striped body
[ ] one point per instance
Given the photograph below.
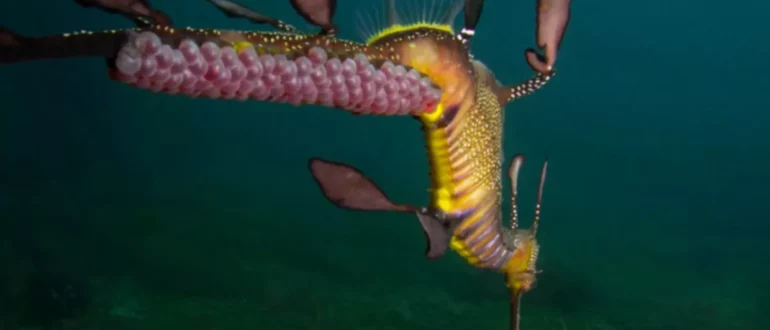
(463, 136)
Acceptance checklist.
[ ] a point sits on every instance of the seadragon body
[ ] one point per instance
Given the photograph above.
(424, 70)
(463, 136)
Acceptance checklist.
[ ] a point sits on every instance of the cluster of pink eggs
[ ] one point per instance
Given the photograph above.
(215, 71)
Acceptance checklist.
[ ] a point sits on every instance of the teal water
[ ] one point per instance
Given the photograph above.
(165, 212)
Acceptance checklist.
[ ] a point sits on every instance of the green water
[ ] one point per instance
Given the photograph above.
(174, 213)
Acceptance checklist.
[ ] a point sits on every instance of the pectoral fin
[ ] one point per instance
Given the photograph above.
(436, 235)
(348, 188)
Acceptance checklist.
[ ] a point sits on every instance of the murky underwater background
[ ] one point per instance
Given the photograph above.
(122, 209)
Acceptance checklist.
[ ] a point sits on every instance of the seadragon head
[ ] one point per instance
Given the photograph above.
(521, 272)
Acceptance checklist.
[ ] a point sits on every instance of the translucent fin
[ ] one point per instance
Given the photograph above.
(393, 17)
(348, 188)
(451, 13)
(436, 235)
(390, 16)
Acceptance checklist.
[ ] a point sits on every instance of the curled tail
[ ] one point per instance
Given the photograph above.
(17, 48)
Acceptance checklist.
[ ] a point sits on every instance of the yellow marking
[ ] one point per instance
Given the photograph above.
(430, 118)
(521, 258)
(241, 45)
(462, 249)
(398, 28)
(436, 138)
(519, 265)
(438, 152)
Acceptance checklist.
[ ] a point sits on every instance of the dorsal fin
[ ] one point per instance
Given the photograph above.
(393, 18)
(451, 14)
(425, 14)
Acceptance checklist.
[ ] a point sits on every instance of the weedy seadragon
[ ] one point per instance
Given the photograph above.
(464, 142)
(420, 69)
